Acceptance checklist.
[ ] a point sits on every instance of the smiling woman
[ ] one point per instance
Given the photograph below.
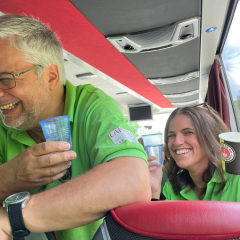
(193, 149)
(194, 165)
(184, 146)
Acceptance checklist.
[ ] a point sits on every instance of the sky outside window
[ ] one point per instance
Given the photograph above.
(231, 59)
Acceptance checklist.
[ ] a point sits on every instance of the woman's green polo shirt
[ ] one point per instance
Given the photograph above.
(231, 191)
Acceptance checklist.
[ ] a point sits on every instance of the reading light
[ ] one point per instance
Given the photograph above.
(84, 76)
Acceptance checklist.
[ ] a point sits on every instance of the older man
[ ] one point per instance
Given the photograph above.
(108, 165)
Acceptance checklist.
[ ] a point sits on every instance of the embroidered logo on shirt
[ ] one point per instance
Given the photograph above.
(119, 135)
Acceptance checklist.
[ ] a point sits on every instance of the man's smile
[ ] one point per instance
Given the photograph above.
(9, 106)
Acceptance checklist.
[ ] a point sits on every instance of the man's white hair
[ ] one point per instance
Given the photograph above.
(38, 43)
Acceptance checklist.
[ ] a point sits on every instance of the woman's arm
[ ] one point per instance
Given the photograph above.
(155, 177)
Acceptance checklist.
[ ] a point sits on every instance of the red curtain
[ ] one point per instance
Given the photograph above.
(216, 94)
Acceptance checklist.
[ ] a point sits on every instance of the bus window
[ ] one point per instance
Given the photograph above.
(231, 62)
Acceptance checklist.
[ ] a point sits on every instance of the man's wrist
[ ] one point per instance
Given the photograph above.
(13, 205)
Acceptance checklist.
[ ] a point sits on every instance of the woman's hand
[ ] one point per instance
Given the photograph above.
(155, 176)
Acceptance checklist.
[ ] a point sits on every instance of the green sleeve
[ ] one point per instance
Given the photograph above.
(109, 134)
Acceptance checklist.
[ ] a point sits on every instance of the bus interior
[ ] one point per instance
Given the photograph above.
(151, 56)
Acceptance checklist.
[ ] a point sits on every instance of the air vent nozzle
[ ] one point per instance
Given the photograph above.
(158, 38)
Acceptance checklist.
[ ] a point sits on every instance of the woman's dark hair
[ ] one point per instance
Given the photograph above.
(208, 126)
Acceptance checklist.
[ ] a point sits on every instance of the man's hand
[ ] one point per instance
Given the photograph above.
(37, 166)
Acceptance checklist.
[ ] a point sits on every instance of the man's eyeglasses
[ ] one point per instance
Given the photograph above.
(8, 80)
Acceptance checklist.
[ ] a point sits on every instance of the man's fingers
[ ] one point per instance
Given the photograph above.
(57, 169)
(55, 158)
(49, 147)
(50, 179)
(55, 177)
(42, 169)
(48, 175)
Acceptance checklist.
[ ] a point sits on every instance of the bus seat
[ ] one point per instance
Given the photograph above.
(172, 220)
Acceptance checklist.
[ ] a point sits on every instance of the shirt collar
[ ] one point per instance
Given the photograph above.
(188, 193)
(217, 179)
(69, 100)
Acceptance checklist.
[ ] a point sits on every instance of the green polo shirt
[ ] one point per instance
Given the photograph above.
(231, 191)
(99, 133)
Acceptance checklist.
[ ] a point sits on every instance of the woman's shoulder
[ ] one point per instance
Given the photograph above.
(231, 177)
(232, 183)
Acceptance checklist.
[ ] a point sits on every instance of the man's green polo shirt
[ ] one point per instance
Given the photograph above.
(99, 133)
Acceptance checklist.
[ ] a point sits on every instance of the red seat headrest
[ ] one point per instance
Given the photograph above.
(181, 219)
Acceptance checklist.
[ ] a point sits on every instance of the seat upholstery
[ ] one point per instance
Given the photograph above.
(173, 220)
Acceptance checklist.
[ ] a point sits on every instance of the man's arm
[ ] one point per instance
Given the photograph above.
(87, 198)
(37, 166)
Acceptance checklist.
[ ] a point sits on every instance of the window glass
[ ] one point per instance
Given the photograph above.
(231, 60)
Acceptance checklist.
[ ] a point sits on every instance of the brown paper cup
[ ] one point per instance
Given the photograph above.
(230, 148)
